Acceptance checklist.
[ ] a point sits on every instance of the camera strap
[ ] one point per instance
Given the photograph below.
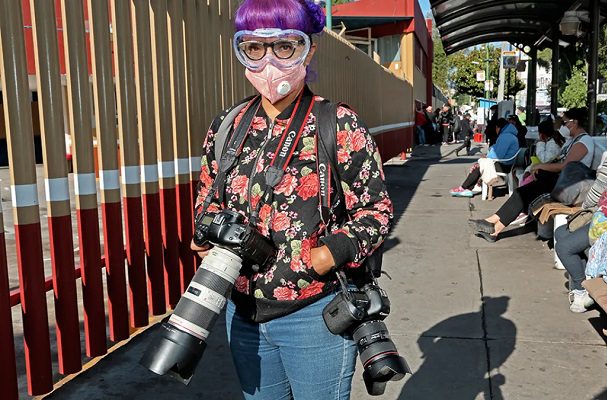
(234, 147)
(328, 173)
(286, 147)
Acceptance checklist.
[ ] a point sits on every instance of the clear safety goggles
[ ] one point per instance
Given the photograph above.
(288, 47)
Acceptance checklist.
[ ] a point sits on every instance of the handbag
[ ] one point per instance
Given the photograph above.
(579, 219)
(574, 182)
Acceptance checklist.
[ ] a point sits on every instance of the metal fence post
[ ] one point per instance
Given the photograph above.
(50, 103)
(8, 369)
(24, 193)
(85, 185)
(109, 177)
(164, 144)
(147, 149)
(129, 158)
(181, 142)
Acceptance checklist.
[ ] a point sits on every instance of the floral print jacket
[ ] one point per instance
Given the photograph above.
(292, 220)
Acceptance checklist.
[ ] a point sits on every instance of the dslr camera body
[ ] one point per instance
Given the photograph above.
(180, 344)
(228, 230)
(360, 312)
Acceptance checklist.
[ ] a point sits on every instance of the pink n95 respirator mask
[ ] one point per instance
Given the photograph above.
(274, 59)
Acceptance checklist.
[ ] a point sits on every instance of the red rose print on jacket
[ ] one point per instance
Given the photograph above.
(242, 284)
(351, 199)
(286, 185)
(284, 293)
(280, 222)
(342, 138)
(205, 177)
(264, 216)
(240, 185)
(308, 186)
(357, 140)
(259, 123)
(297, 264)
(312, 289)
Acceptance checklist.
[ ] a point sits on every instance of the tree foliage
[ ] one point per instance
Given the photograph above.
(544, 58)
(465, 64)
(440, 65)
(576, 88)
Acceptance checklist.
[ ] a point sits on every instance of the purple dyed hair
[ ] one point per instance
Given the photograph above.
(303, 15)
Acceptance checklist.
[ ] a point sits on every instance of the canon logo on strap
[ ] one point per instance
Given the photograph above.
(285, 147)
(322, 171)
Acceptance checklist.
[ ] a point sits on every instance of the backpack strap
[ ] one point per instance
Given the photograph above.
(228, 158)
(223, 132)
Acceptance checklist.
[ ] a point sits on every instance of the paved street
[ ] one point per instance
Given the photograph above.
(474, 320)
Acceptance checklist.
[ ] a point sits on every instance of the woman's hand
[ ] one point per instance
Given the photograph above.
(535, 168)
(202, 251)
(322, 260)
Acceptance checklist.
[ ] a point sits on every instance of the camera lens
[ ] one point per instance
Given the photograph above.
(379, 356)
(182, 339)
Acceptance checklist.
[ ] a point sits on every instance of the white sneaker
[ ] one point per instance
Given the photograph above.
(477, 189)
(579, 301)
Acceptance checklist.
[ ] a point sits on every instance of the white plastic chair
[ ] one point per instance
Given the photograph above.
(487, 192)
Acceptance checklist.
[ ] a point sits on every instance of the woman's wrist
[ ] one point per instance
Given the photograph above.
(322, 260)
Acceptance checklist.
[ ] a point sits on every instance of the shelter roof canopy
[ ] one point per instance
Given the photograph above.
(465, 23)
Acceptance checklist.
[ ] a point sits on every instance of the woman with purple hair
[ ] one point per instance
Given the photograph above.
(280, 344)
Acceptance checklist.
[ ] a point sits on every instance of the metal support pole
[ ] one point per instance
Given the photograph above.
(532, 87)
(329, 15)
(508, 86)
(554, 87)
(593, 64)
(487, 78)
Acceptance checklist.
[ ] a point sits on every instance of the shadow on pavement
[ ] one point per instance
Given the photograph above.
(453, 367)
(119, 375)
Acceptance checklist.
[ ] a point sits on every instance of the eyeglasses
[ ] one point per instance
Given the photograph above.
(283, 49)
(565, 122)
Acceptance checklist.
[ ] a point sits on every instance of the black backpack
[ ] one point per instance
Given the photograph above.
(326, 113)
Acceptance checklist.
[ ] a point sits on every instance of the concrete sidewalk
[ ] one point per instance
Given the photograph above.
(474, 320)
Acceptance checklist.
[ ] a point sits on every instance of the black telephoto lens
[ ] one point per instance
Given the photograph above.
(379, 356)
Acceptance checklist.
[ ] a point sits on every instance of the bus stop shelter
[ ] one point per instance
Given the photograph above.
(537, 24)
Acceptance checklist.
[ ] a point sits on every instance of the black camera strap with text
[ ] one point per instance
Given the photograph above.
(286, 147)
(230, 155)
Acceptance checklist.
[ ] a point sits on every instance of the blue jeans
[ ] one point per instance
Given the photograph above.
(570, 247)
(291, 357)
(421, 135)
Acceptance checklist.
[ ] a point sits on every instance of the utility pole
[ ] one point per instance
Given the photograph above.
(502, 76)
(487, 77)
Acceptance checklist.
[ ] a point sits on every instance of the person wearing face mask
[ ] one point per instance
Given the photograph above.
(280, 344)
(579, 148)
(547, 148)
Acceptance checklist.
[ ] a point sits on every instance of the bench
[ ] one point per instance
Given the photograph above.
(509, 181)
(597, 289)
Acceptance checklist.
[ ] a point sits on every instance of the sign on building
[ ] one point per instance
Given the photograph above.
(509, 59)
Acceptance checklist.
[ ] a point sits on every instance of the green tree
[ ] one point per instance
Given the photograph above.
(544, 58)
(440, 65)
(465, 64)
(603, 53)
(576, 88)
